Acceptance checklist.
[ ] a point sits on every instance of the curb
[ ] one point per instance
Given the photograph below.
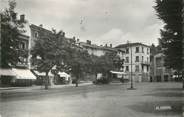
(38, 87)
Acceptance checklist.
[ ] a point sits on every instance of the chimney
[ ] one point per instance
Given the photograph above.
(78, 40)
(63, 34)
(41, 25)
(74, 40)
(22, 17)
(88, 42)
(111, 45)
(14, 16)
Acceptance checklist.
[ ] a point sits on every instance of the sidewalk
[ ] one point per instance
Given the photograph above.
(42, 87)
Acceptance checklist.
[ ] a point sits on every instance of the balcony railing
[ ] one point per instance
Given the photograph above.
(145, 62)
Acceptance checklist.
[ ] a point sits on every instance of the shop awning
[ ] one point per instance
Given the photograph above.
(42, 73)
(7, 72)
(63, 74)
(116, 72)
(23, 74)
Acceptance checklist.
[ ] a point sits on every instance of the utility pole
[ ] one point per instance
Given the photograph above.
(131, 78)
(131, 68)
(0, 41)
(183, 42)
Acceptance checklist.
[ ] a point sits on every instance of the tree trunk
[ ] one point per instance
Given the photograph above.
(76, 83)
(183, 78)
(47, 81)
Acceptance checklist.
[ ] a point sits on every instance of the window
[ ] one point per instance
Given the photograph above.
(142, 49)
(147, 69)
(158, 62)
(137, 59)
(36, 34)
(142, 58)
(147, 59)
(137, 49)
(137, 68)
(147, 50)
(127, 50)
(22, 45)
(127, 60)
(127, 68)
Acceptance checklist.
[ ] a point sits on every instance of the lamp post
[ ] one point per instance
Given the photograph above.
(131, 78)
(183, 41)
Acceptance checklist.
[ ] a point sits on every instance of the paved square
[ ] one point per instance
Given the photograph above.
(114, 100)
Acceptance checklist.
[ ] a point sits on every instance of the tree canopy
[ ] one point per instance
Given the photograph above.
(11, 29)
(169, 11)
(49, 50)
(104, 64)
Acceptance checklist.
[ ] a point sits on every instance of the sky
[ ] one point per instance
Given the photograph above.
(101, 21)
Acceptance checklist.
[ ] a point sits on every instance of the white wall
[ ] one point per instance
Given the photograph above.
(142, 68)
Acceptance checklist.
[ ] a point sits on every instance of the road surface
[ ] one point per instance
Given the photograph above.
(114, 100)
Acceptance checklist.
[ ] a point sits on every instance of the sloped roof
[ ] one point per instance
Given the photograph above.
(130, 44)
(97, 47)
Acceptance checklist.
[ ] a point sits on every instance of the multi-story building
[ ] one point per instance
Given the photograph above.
(161, 73)
(19, 74)
(95, 49)
(23, 51)
(36, 32)
(137, 61)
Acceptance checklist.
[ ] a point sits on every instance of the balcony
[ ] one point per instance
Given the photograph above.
(145, 63)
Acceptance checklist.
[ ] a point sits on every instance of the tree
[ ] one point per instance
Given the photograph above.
(11, 29)
(170, 12)
(80, 62)
(49, 50)
(104, 64)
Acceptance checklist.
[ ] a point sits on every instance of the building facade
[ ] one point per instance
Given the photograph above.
(96, 50)
(183, 35)
(137, 61)
(160, 72)
(19, 74)
(23, 51)
(37, 32)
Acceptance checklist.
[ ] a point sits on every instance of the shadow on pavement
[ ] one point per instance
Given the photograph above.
(169, 89)
(166, 94)
(54, 92)
(150, 107)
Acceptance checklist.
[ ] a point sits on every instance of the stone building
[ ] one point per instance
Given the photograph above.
(96, 50)
(19, 74)
(137, 61)
(161, 73)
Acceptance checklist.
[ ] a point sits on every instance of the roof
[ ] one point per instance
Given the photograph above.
(97, 47)
(130, 44)
(32, 26)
